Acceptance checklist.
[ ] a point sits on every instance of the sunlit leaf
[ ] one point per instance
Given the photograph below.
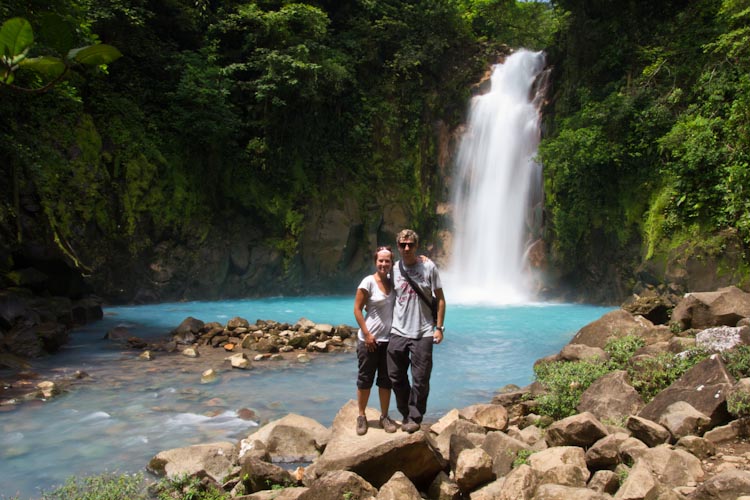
(16, 36)
(51, 67)
(94, 55)
(7, 77)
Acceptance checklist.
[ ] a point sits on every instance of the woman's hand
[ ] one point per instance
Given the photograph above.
(370, 342)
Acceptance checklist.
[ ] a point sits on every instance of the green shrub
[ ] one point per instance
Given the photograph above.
(565, 381)
(105, 486)
(651, 375)
(738, 361)
(186, 488)
(522, 457)
(738, 404)
(622, 349)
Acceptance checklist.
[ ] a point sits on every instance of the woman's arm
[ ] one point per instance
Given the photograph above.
(360, 299)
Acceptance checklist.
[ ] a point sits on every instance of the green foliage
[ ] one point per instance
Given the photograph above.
(186, 488)
(522, 457)
(17, 38)
(255, 108)
(651, 375)
(648, 133)
(565, 381)
(620, 350)
(738, 403)
(737, 361)
(622, 475)
(100, 487)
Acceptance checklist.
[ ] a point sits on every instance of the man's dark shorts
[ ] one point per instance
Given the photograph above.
(371, 362)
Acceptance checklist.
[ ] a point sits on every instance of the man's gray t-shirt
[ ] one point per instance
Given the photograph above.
(411, 316)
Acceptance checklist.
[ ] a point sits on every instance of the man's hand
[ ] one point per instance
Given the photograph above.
(437, 336)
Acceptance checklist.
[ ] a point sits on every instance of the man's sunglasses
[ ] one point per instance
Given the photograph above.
(404, 244)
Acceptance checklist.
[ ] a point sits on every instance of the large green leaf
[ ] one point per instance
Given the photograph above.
(93, 55)
(51, 67)
(56, 32)
(16, 36)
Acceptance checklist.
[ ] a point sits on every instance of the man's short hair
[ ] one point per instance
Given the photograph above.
(407, 234)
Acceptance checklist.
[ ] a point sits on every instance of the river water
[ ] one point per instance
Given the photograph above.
(130, 409)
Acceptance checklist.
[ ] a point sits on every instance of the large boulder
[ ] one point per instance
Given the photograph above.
(727, 485)
(647, 431)
(257, 475)
(725, 306)
(721, 338)
(561, 492)
(339, 484)
(447, 440)
(520, 484)
(611, 397)
(292, 438)
(377, 455)
(473, 468)
(673, 467)
(490, 416)
(561, 465)
(650, 305)
(704, 387)
(582, 429)
(681, 420)
(503, 449)
(216, 459)
(613, 325)
(398, 487)
(605, 453)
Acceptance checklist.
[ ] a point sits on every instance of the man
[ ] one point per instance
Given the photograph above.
(413, 331)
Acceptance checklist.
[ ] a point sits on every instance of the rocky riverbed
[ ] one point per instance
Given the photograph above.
(681, 444)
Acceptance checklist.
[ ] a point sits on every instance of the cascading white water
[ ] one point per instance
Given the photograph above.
(497, 182)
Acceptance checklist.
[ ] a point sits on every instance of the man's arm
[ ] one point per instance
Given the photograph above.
(438, 335)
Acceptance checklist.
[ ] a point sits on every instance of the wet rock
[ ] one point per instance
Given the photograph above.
(209, 376)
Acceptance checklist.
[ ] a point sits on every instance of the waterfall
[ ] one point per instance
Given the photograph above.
(497, 187)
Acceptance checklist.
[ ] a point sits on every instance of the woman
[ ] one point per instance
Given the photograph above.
(375, 294)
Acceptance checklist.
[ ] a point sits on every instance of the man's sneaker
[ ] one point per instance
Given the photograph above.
(387, 424)
(361, 425)
(410, 426)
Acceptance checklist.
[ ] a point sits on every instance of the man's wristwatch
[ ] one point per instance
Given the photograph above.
(441, 328)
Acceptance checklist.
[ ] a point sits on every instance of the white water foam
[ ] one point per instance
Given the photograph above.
(497, 182)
